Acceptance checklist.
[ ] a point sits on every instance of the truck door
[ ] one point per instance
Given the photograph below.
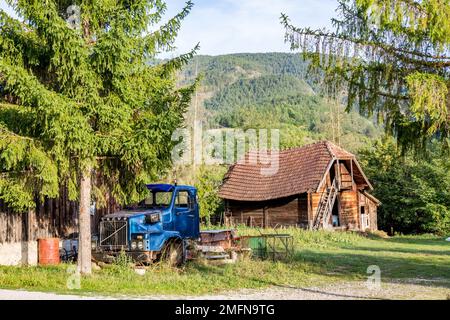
(185, 218)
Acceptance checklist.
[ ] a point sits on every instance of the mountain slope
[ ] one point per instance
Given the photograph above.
(271, 90)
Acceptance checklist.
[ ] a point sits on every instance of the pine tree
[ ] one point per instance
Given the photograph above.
(392, 58)
(82, 104)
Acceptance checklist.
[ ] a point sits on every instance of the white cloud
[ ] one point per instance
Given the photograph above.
(230, 26)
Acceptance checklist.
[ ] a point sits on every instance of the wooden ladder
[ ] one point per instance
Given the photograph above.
(326, 203)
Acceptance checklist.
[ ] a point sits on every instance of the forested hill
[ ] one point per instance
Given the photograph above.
(270, 90)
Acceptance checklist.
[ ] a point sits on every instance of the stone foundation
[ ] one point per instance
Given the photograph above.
(19, 253)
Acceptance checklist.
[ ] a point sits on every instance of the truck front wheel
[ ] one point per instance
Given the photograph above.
(173, 253)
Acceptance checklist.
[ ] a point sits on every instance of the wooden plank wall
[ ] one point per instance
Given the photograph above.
(349, 214)
(284, 212)
(13, 226)
(303, 210)
(290, 211)
(346, 178)
(246, 213)
(373, 211)
(51, 218)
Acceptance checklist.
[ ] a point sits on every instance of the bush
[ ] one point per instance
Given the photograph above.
(122, 264)
(414, 191)
(207, 183)
(376, 234)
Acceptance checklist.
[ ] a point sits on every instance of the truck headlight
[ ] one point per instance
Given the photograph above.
(140, 245)
(133, 245)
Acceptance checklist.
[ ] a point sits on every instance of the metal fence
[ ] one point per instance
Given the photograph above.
(269, 246)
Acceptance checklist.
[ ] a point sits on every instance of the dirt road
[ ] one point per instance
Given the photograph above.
(342, 291)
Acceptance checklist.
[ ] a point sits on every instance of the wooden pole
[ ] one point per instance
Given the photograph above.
(265, 218)
(309, 211)
(338, 173)
(194, 127)
(351, 173)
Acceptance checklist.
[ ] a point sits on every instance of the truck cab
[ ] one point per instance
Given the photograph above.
(158, 227)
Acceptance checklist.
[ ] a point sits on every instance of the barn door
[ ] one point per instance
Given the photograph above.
(364, 218)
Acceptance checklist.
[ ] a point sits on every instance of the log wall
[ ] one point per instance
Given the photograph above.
(51, 218)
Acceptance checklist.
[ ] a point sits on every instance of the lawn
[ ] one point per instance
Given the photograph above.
(320, 258)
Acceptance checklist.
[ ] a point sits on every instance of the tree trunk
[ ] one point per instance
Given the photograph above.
(84, 247)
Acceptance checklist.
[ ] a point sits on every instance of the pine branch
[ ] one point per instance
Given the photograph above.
(178, 62)
(390, 49)
(165, 36)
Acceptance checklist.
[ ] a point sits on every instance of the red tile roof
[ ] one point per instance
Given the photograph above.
(299, 170)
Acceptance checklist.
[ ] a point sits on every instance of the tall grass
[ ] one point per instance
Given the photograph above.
(303, 238)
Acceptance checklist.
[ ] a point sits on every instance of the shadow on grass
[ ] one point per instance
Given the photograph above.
(217, 271)
(432, 241)
(355, 263)
(404, 250)
(339, 295)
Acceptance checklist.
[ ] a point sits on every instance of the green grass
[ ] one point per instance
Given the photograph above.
(320, 258)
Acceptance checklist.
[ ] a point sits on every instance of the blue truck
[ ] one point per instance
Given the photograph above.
(160, 227)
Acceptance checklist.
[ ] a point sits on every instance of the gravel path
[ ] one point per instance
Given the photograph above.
(341, 291)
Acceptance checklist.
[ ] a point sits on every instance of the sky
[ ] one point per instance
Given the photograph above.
(233, 26)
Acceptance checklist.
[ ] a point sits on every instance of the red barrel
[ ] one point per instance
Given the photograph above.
(49, 251)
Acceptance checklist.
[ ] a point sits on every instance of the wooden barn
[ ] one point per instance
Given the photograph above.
(316, 186)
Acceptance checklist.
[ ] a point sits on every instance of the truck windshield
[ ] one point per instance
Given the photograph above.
(158, 199)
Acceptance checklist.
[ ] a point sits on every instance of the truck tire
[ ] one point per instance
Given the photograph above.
(173, 253)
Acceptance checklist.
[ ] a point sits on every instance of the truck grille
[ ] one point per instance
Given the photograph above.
(113, 234)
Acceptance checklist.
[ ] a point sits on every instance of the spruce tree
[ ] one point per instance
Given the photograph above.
(82, 103)
(392, 58)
